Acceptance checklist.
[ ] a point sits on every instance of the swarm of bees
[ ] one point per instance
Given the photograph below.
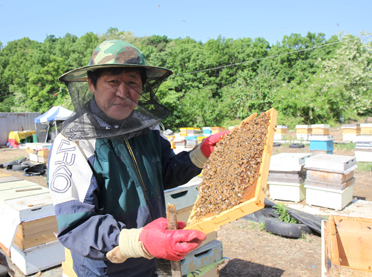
(231, 173)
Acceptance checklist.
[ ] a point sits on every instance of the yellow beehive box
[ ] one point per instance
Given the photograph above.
(320, 129)
(254, 203)
(351, 129)
(281, 129)
(183, 132)
(216, 130)
(67, 265)
(303, 129)
(366, 129)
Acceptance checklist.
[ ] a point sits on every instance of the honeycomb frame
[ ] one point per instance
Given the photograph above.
(213, 223)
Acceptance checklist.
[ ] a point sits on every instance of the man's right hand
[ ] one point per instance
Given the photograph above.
(167, 244)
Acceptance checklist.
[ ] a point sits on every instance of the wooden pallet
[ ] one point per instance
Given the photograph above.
(214, 222)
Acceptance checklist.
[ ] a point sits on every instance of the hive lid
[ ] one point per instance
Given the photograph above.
(321, 138)
(363, 139)
(325, 126)
(330, 163)
(303, 127)
(347, 126)
(289, 162)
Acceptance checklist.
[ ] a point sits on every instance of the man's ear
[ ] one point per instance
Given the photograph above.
(91, 86)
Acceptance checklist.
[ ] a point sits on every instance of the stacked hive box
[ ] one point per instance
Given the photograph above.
(329, 180)
(366, 129)
(210, 251)
(281, 133)
(28, 213)
(320, 140)
(179, 142)
(183, 132)
(303, 132)
(321, 144)
(286, 176)
(320, 129)
(193, 131)
(38, 155)
(350, 132)
(191, 141)
(207, 131)
(363, 148)
(216, 130)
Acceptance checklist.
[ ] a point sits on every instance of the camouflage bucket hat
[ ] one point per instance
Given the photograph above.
(115, 53)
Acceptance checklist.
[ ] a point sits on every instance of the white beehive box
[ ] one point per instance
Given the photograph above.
(288, 162)
(201, 257)
(183, 196)
(329, 198)
(363, 155)
(38, 258)
(303, 132)
(330, 163)
(281, 133)
(287, 191)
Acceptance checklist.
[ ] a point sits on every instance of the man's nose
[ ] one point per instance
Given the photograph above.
(123, 90)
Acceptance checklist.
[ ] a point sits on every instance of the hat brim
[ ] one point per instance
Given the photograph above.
(80, 74)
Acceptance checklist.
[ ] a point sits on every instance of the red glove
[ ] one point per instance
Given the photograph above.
(209, 143)
(167, 244)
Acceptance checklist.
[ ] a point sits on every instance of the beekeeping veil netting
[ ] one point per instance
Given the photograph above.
(89, 121)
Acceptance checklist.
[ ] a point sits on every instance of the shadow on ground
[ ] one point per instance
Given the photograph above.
(238, 267)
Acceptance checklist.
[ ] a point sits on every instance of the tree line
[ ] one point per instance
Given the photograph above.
(308, 79)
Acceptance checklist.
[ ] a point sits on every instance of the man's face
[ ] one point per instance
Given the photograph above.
(117, 94)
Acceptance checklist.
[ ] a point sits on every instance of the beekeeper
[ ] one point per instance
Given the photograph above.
(109, 166)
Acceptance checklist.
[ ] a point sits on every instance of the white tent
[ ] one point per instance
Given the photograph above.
(55, 114)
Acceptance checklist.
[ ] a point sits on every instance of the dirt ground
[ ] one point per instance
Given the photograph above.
(251, 251)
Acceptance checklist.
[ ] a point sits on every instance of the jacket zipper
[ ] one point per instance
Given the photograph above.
(138, 171)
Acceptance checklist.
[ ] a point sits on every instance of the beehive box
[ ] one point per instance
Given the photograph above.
(67, 265)
(208, 254)
(183, 196)
(288, 162)
(281, 133)
(330, 177)
(216, 130)
(320, 129)
(38, 224)
(366, 129)
(37, 258)
(346, 246)
(350, 131)
(329, 198)
(303, 132)
(320, 142)
(330, 163)
(207, 131)
(287, 191)
(35, 232)
(252, 198)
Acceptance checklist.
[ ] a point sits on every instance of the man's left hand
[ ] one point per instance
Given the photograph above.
(209, 143)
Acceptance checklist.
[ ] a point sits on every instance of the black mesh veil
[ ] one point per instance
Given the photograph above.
(89, 122)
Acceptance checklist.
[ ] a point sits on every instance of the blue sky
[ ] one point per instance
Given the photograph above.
(201, 20)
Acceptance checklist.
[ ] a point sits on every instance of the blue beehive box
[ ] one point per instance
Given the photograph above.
(207, 131)
(321, 143)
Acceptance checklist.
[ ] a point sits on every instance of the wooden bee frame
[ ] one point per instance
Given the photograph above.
(213, 223)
